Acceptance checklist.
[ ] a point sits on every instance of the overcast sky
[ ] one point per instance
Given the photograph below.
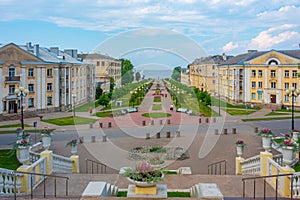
(216, 26)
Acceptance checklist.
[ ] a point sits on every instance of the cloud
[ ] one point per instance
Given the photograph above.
(229, 47)
(274, 36)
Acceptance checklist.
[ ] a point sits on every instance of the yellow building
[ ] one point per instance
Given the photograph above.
(203, 72)
(105, 67)
(55, 79)
(260, 77)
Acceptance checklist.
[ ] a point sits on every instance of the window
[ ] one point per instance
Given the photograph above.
(31, 87)
(259, 84)
(253, 84)
(30, 72)
(286, 98)
(273, 73)
(73, 84)
(273, 85)
(294, 99)
(253, 73)
(76, 71)
(98, 63)
(49, 101)
(253, 96)
(49, 72)
(286, 86)
(11, 72)
(214, 81)
(294, 85)
(30, 102)
(72, 72)
(259, 73)
(11, 89)
(286, 73)
(294, 73)
(49, 86)
(102, 63)
(259, 96)
(4, 105)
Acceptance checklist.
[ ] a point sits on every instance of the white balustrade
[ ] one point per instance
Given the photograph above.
(33, 157)
(278, 159)
(251, 165)
(38, 167)
(296, 185)
(8, 178)
(62, 164)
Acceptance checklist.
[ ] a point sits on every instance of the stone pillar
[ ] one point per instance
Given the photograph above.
(25, 183)
(256, 130)
(263, 162)
(160, 122)
(177, 133)
(93, 138)
(199, 120)
(104, 138)
(100, 124)
(152, 122)
(48, 155)
(109, 124)
(216, 132)
(238, 166)
(144, 123)
(286, 180)
(147, 136)
(75, 164)
(169, 121)
(91, 125)
(233, 130)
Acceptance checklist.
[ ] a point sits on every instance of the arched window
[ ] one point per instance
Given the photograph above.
(11, 71)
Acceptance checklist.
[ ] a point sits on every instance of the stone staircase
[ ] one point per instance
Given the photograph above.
(16, 116)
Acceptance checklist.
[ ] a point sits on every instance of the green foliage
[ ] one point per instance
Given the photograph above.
(176, 74)
(157, 99)
(127, 74)
(8, 160)
(156, 107)
(99, 92)
(137, 76)
(111, 84)
(239, 111)
(104, 99)
(14, 125)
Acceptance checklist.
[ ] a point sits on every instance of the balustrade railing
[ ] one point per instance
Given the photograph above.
(278, 159)
(10, 182)
(33, 157)
(251, 165)
(62, 164)
(38, 167)
(295, 186)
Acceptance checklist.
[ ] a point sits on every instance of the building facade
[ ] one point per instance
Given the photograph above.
(203, 72)
(56, 80)
(260, 77)
(105, 67)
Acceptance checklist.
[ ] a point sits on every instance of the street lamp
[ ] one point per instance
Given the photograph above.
(74, 97)
(21, 92)
(294, 94)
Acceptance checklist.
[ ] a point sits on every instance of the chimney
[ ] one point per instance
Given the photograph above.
(54, 50)
(28, 45)
(71, 52)
(36, 50)
(224, 57)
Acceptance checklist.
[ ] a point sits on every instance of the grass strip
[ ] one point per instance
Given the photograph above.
(14, 125)
(66, 121)
(8, 159)
(156, 107)
(268, 119)
(156, 115)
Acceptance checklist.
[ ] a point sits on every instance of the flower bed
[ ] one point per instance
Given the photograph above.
(169, 153)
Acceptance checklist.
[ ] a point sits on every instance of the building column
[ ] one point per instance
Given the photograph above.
(38, 88)
(43, 87)
(56, 85)
(1, 92)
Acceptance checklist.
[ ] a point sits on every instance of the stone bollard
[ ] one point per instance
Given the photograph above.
(152, 122)
(100, 124)
(81, 139)
(144, 123)
(160, 122)
(93, 138)
(199, 120)
(147, 136)
(109, 124)
(91, 125)
(169, 121)
(104, 138)
(225, 131)
(177, 133)
(216, 132)
(207, 120)
(168, 134)
(256, 130)
(233, 130)
(158, 135)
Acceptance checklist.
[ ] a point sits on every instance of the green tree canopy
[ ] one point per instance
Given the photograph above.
(127, 73)
(137, 76)
(176, 75)
(104, 99)
(98, 92)
(112, 84)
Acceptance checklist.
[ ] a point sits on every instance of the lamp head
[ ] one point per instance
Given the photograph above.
(17, 91)
(26, 91)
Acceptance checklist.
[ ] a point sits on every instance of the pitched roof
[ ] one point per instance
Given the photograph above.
(96, 56)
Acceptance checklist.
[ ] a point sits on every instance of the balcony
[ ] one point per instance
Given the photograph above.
(12, 78)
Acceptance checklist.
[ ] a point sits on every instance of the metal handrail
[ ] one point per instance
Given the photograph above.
(213, 167)
(44, 180)
(265, 177)
(97, 164)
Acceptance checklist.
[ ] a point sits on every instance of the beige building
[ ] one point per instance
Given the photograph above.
(260, 77)
(106, 67)
(203, 72)
(55, 79)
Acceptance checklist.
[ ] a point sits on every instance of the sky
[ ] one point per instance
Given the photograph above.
(168, 32)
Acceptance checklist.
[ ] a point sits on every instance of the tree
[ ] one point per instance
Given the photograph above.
(99, 92)
(137, 76)
(111, 84)
(104, 100)
(127, 73)
(176, 75)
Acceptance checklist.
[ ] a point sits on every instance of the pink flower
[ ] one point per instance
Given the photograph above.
(20, 118)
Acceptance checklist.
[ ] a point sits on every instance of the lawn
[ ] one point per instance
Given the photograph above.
(65, 121)
(107, 113)
(13, 131)
(14, 125)
(157, 99)
(156, 115)
(239, 111)
(277, 113)
(156, 107)
(8, 159)
(268, 118)
(86, 107)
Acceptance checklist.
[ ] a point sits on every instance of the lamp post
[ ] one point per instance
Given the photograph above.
(74, 97)
(21, 92)
(294, 93)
